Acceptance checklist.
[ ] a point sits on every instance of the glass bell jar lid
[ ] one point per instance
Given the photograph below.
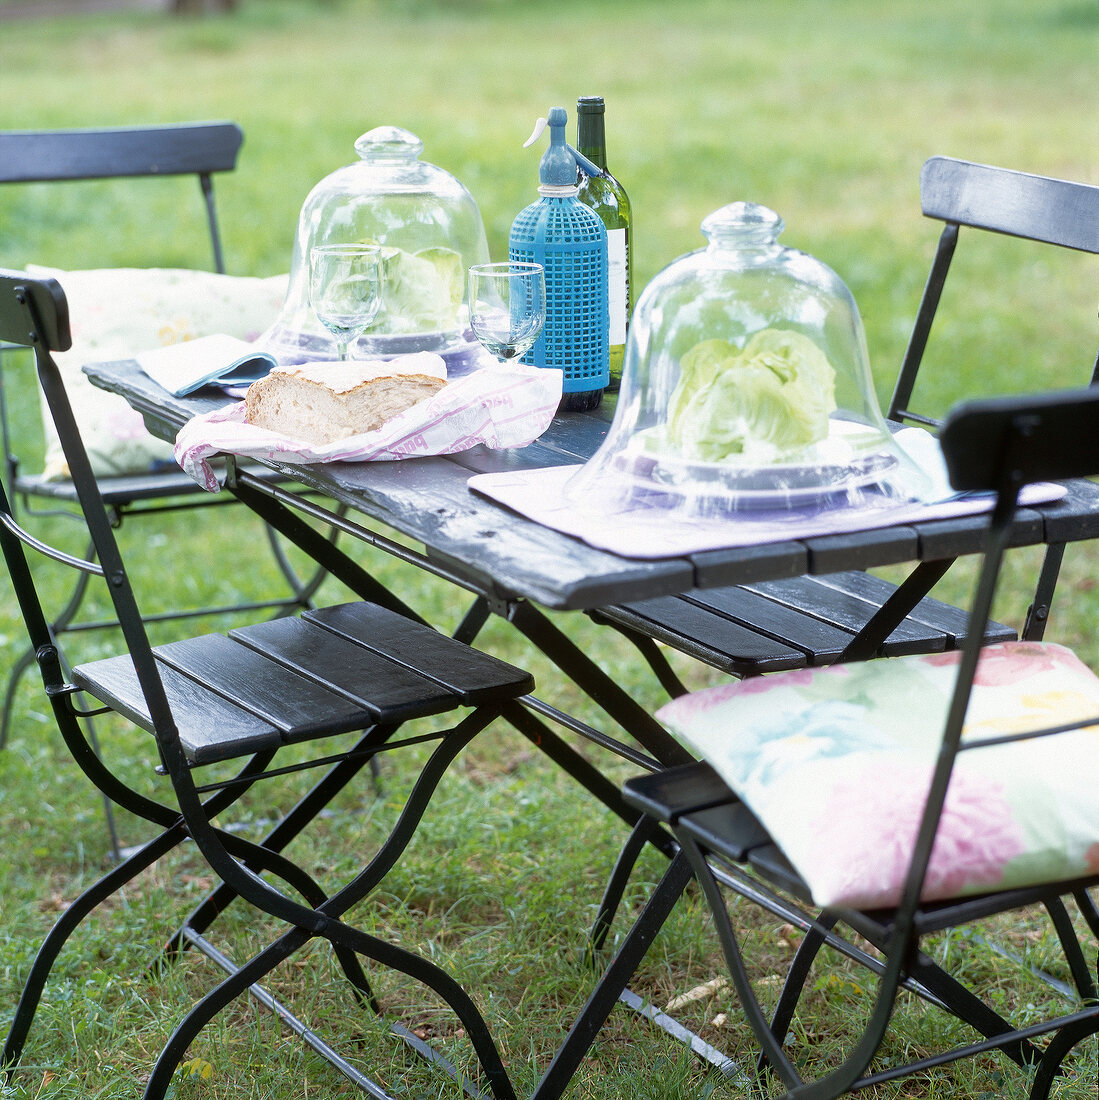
(746, 385)
(430, 231)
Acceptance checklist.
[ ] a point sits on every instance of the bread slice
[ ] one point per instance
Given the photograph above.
(324, 402)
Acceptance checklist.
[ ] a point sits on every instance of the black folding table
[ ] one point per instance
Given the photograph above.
(517, 569)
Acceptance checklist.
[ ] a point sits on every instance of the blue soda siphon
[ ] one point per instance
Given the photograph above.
(570, 242)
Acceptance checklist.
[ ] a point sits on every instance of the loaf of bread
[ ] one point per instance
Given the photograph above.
(324, 402)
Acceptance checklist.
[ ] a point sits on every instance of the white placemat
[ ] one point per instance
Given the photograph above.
(648, 531)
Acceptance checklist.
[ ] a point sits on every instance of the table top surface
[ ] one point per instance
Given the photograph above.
(507, 556)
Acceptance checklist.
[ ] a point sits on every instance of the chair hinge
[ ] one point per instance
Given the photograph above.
(49, 663)
(501, 606)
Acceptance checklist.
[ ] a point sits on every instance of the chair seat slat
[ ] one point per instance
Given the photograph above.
(395, 692)
(210, 728)
(115, 490)
(474, 676)
(125, 488)
(290, 680)
(298, 707)
(849, 611)
(929, 612)
(712, 625)
(671, 792)
(696, 798)
(706, 635)
(820, 641)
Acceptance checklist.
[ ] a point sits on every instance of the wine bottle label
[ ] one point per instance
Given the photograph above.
(617, 279)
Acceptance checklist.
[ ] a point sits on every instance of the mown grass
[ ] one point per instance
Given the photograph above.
(822, 109)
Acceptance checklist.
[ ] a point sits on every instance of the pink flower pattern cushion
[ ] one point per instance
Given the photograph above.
(836, 763)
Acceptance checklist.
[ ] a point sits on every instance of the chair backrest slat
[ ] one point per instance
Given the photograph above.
(1037, 208)
(28, 156)
(187, 148)
(997, 200)
(1043, 437)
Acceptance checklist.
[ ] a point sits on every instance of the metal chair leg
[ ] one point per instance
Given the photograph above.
(59, 626)
(344, 938)
(1060, 1046)
(307, 808)
(15, 676)
(66, 924)
(815, 938)
(631, 851)
(1073, 950)
(1088, 909)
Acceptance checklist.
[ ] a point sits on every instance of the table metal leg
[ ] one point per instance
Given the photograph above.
(594, 1014)
(610, 696)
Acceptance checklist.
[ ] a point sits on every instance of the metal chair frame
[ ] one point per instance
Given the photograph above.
(237, 699)
(200, 149)
(994, 445)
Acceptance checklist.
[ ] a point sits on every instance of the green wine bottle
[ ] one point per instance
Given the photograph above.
(607, 197)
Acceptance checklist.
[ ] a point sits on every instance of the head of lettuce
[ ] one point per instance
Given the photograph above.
(765, 402)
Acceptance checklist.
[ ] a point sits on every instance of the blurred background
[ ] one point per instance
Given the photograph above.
(823, 110)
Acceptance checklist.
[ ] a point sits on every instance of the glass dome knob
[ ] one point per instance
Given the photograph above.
(742, 225)
(388, 143)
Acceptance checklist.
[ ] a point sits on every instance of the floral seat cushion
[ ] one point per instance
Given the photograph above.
(116, 313)
(836, 763)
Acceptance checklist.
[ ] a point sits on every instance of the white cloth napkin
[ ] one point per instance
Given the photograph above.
(498, 406)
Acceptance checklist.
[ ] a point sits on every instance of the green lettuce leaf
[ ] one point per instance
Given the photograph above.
(771, 398)
(423, 290)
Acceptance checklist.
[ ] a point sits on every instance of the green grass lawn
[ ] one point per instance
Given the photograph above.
(823, 110)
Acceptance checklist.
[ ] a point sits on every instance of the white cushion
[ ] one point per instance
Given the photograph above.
(115, 313)
(836, 764)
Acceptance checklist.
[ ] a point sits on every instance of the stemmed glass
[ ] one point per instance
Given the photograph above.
(345, 289)
(507, 306)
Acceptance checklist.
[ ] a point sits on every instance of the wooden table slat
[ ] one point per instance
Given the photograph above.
(506, 556)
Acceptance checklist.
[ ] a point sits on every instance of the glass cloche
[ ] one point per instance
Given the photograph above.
(430, 230)
(746, 384)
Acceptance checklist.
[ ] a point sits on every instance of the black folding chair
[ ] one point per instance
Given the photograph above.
(221, 708)
(201, 150)
(827, 617)
(998, 701)
(810, 620)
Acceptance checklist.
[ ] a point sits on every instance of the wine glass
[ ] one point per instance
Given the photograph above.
(345, 289)
(507, 306)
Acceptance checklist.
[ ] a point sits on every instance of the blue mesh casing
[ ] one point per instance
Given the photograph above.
(570, 242)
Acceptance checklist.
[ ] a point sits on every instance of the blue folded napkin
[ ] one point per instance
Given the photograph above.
(208, 361)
